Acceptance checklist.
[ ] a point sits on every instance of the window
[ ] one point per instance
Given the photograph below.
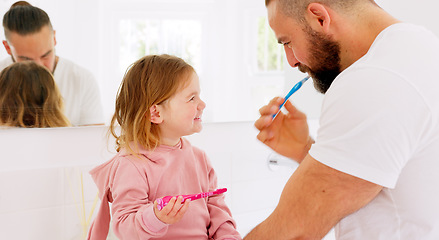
(143, 37)
(269, 52)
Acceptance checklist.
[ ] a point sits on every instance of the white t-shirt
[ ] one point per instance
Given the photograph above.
(78, 87)
(380, 122)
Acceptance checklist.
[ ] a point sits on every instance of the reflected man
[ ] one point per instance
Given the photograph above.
(30, 36)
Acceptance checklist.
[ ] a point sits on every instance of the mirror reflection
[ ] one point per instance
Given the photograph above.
(240, 63)
(30, 37)
(29, 97)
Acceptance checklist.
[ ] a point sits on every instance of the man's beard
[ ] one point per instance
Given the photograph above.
(325, 59)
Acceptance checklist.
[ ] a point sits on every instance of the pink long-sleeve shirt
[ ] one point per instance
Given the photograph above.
(132, 183)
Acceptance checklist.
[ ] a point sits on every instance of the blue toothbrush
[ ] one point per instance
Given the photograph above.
(293, 90)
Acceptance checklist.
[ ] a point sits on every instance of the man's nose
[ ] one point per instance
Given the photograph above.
(38, 61)
(290, 57)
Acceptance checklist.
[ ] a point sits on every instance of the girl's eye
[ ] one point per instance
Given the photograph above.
(192, 98)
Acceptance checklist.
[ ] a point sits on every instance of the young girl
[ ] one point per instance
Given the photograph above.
(29, 97)
(157, 104)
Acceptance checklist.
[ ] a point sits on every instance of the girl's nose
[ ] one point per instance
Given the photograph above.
(202, 105)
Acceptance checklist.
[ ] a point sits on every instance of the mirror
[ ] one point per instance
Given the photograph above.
(237, 58)
(240, 64)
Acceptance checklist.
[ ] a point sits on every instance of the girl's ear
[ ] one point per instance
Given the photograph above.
(155, 114)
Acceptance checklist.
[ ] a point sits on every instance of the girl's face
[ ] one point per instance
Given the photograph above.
(181, 114)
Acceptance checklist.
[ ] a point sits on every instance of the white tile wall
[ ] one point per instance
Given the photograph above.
(40, 181)
(40, 177)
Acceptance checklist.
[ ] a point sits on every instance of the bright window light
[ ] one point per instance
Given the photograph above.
(269, 52)
(144, 37)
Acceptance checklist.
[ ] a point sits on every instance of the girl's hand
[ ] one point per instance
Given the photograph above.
(173, 211)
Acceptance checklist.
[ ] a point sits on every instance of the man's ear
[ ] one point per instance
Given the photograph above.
(54, 37)
(318, 17)
(7, 47)
(155, 114)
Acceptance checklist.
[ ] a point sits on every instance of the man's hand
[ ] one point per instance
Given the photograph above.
(287, 134)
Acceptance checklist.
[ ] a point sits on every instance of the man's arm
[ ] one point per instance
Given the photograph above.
(313, 200)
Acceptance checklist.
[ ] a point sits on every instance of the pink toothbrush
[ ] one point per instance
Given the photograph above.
(162, 202)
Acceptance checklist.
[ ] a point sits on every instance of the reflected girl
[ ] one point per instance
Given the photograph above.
(30, 98)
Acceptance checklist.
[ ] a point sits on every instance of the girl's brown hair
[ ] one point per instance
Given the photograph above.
(29, 97)
(149, 81)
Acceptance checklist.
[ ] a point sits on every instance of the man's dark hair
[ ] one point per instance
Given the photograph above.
(23, 18)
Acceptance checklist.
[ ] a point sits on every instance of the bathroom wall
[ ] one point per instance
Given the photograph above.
(41, 195)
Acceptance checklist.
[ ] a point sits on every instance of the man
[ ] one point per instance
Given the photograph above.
(372, 171)
(30, 36)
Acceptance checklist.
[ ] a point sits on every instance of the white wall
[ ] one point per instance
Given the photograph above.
(40, 189)
(40, 177)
